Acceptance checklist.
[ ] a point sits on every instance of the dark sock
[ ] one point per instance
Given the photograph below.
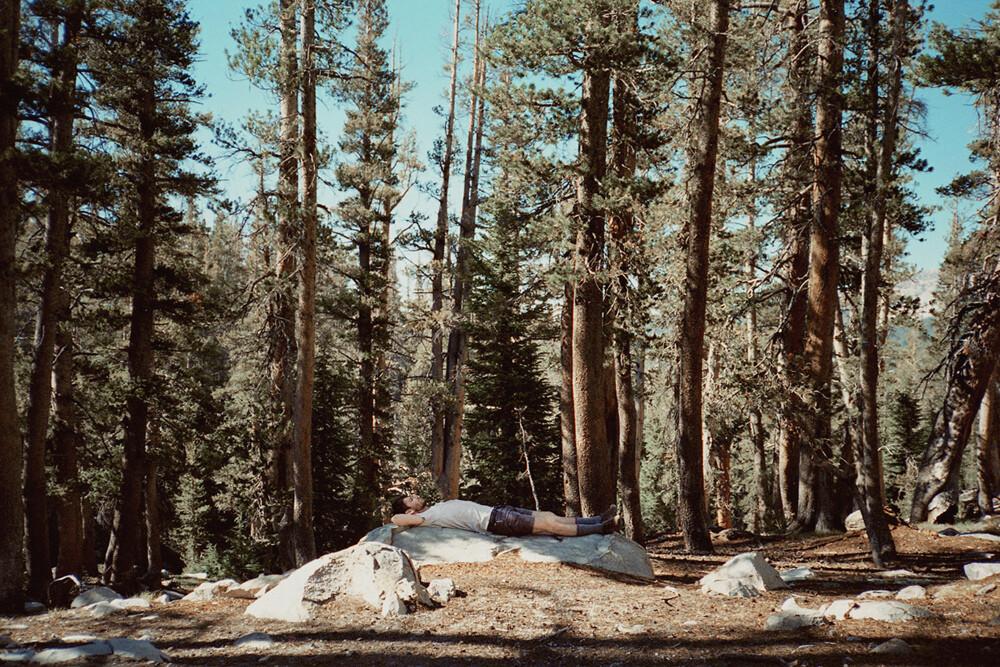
(588, 520)
(588, 529)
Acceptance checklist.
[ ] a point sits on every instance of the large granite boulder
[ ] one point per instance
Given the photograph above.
(380, 574)
(428, 545)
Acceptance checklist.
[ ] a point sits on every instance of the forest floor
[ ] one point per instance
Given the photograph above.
(511, 612)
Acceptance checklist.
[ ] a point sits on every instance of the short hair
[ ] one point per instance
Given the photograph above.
(398, 504)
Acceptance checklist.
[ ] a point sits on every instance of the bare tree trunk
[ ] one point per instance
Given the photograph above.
(69, 509)
(56, 244)
(868, 461)
(128, 518)
(438, 406)
(11, 484)
(303, 537)
(701, 170)
(597, 487)
(621, 226)
(282, 316)
(824, 253)
(988, 474)
(571, 483)
(797, 256)
(458, 352)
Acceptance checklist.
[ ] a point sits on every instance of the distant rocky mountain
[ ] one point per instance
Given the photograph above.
(922, 284)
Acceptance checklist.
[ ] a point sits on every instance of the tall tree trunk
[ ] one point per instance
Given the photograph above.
(282, 315)
(303, 537)
(988, 474)
(623, 237)
(567, 424)
(63, 104)
(69, 508)
(11, 484)
(762, 491)
(796, 254)
(701, 169)
(597, 487)
(824, 257)
(868, 461)
(457, 339)
(154, 551)
(128, 518)
(438, 405)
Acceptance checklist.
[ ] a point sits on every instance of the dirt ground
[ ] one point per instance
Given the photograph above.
(515, 613)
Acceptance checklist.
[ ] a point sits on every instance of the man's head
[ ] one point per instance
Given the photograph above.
(408, 504)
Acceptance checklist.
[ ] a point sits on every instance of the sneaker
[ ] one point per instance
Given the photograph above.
(609, 513)
(609, 526)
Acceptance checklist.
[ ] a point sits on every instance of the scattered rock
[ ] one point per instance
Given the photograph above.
(32, 607)
(854, 521)
(51, 656)
(441, 590)
(21, 655)
(948, 532)
(838, 609)
(135, 649)
(196, 575)
(986, 590)
(958, 589)
(431, 545)
(893, 647)
(368, 570)
(983, 536)
(974, 571)
(749, 569)
(734, 535)
(256, 587)
(733, 588)
(93, 595)
(255, 640)
(78, 639)
(210, 590)
(793, 617)
(102, 609)
(875, 595)
(797, 574)
(63, 590)
(912, 593)
(629, 629)
(889, 610)
(166, 597)
(896, 574)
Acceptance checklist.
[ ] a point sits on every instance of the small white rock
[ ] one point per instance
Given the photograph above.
(986, 590)
(974, 571)
(20, 655)
(93, 595)
(875, 595)
(78, 639)
(912, 593)
(441, 590)
(255, 640)
(797, 574)
(52, 656)
(135, 649)
(838, 609)
(102, 609)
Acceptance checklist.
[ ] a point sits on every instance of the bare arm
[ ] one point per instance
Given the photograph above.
(407, 520)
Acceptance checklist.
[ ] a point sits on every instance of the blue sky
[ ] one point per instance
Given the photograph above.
(420, 30)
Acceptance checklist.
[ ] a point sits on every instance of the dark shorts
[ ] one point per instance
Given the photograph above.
(511, 521)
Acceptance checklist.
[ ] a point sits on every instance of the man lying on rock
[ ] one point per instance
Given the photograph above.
(411, 510)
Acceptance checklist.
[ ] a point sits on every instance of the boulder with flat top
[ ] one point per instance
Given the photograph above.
(428, 545)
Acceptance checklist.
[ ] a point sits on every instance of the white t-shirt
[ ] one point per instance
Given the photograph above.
(462, 514)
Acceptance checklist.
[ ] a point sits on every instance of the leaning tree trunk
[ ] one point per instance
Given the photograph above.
(691, 340)
(458, 348)
(303, 537)
(796, 255)
(969, 367)
(988, 474)
(11, 485)
(438, 406)
(824, 264)
(56, 244)
(597, 486)
(128, 518)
